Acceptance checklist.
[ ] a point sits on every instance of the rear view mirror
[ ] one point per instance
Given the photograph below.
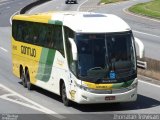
(74, 49)
(141, 47)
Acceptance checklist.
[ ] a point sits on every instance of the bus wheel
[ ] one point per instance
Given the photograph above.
(65, 100)
(29, 84)
(23, 78)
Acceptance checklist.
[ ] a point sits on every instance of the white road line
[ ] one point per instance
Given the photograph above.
(81, 5)
(149, 83)
(39, 107)
(3, 49)
(146, 33)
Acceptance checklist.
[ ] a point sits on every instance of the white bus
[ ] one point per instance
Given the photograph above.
(84, 57)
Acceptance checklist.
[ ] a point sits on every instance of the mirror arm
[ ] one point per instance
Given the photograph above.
(74, 48)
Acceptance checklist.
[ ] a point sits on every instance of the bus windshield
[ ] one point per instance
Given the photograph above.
(101, 54)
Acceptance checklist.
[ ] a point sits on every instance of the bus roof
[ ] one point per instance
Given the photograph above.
(83, 22)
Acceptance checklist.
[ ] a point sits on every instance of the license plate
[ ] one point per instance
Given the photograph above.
(110, 98)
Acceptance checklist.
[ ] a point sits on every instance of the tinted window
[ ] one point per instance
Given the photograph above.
(45, 35)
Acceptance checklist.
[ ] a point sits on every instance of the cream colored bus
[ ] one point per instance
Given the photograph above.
(83, 57)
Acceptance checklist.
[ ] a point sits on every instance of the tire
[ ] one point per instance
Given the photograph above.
(29, 84)
(23, 78)
(65, 100)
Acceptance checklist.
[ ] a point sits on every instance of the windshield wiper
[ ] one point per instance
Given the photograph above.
(96, 68)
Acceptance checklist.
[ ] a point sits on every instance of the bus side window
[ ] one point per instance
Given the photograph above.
(42, 33)
(35, 33)
(58, 39)
(48, 39)
(26, 35)
(14, 29)
(20, 31)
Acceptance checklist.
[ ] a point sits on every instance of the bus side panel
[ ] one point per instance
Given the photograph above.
(55, 71)
(46, 66)
(60, 71)
(16, 62)
(26, 55)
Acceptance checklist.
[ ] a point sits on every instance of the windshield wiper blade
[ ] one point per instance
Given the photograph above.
(96, 68)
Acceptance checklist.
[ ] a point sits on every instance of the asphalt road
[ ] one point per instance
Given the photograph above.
(40, 101)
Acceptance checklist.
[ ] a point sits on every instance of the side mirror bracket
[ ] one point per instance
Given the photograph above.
(73, 48)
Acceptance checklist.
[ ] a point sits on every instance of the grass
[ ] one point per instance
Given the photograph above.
(150, 9)
(111, 1)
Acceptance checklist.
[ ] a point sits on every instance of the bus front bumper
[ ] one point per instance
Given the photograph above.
(85, 97)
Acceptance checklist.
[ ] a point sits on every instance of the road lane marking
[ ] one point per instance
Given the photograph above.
(81, 5)
(149, 83)
(3, 49)
(39, 107)
(146, 33)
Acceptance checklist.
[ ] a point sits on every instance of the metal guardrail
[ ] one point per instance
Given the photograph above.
(141, 64)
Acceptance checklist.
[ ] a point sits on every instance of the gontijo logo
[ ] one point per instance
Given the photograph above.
(28, 51)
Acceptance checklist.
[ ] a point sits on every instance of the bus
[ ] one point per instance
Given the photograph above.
(84, 57)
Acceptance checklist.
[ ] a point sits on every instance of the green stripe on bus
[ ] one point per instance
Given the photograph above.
(56, 22)
(122, 85)
(45, 64)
